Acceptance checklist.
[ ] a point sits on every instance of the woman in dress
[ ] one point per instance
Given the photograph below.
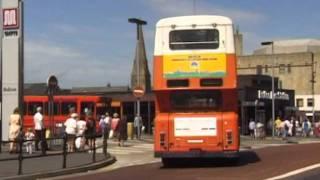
(90, 130)
(122, 131)
(14, 129)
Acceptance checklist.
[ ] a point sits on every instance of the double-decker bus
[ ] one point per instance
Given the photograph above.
(62, 104)
(195, 88)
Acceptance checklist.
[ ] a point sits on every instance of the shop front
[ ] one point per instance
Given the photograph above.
(256, 104)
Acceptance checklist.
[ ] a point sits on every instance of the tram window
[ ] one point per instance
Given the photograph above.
(25, 109)
(87, 108)
(55, 109)
(195, 100)
(66, 107)
(194, 39)
(32, 107)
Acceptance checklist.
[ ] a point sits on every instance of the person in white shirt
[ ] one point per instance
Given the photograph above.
(81, 128)
(252, 127)
(71, 129)
(107, 121)
(39, 130)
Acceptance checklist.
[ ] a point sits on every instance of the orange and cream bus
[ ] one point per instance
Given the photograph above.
(195, 87)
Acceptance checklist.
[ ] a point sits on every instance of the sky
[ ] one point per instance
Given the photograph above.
(91, 43)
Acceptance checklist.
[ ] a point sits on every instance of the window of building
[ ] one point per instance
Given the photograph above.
(266, 68)
(289, 68)
(194, 39)
(280, 84)
(282, 68)
(299, 102)
(310, 102)
(259, 69)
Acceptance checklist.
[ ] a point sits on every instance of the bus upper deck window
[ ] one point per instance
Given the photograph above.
(194, 39)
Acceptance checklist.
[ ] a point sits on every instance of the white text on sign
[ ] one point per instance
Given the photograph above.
(10, 18)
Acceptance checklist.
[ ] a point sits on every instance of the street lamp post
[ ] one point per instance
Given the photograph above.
(272, 81)
(139, 23)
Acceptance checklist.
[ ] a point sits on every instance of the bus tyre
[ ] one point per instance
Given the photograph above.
(166, 162)
(233, 160)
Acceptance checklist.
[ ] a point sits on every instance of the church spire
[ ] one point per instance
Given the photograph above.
(140, 75)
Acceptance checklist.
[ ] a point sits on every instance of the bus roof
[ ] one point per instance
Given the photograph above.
(199, 19)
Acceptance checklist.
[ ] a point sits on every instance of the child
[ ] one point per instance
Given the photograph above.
(29, 136)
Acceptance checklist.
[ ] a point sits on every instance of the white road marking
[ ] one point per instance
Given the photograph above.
(295, 172)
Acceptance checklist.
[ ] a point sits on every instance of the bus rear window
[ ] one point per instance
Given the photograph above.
(195, 100)
(194, 39)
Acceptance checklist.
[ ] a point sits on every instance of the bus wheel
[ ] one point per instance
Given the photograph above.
(166, 162)
(233, 161)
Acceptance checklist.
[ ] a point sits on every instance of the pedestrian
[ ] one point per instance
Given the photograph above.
(277, 124)
(137, 124)
(29, 136)
(260, 130)
(81, 128)
(122, 131)
(40, 130)
(14, 130)
(114, 123)
(102, 125)
(298, 128)
(306, 127)
(90, 131)
(293, 123)
(252, 127)
(107, 121)
(71, 127)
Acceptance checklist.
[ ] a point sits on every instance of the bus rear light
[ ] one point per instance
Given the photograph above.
(162, 139)
(229, 137)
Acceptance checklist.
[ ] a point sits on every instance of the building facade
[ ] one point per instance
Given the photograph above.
(295, 64)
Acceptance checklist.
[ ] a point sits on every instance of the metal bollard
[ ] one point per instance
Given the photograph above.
(105, 143)
(64, 153)
(94, 148)
(20, 157)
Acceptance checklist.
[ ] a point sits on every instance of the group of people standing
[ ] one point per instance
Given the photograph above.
(284, 128)
(15, 132)
(79, 132)
(114, 127)
(292, 127)
(256, 129)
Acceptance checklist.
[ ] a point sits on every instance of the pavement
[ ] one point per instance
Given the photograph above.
(135, 152)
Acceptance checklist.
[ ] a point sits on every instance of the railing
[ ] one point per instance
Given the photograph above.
(21, 141)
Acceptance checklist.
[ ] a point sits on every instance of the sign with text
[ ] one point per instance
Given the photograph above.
(263, 94)
(10, 18)
(12, 62)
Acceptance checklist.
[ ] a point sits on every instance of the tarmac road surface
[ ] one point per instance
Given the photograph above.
(255, 164)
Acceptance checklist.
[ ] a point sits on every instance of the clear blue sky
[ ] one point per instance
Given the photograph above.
(91, 43)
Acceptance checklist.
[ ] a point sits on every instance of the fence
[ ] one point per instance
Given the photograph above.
(20, 142)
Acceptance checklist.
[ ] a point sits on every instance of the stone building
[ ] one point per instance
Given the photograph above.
(295, 63)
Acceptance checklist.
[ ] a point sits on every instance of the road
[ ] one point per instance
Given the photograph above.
(255, 164)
